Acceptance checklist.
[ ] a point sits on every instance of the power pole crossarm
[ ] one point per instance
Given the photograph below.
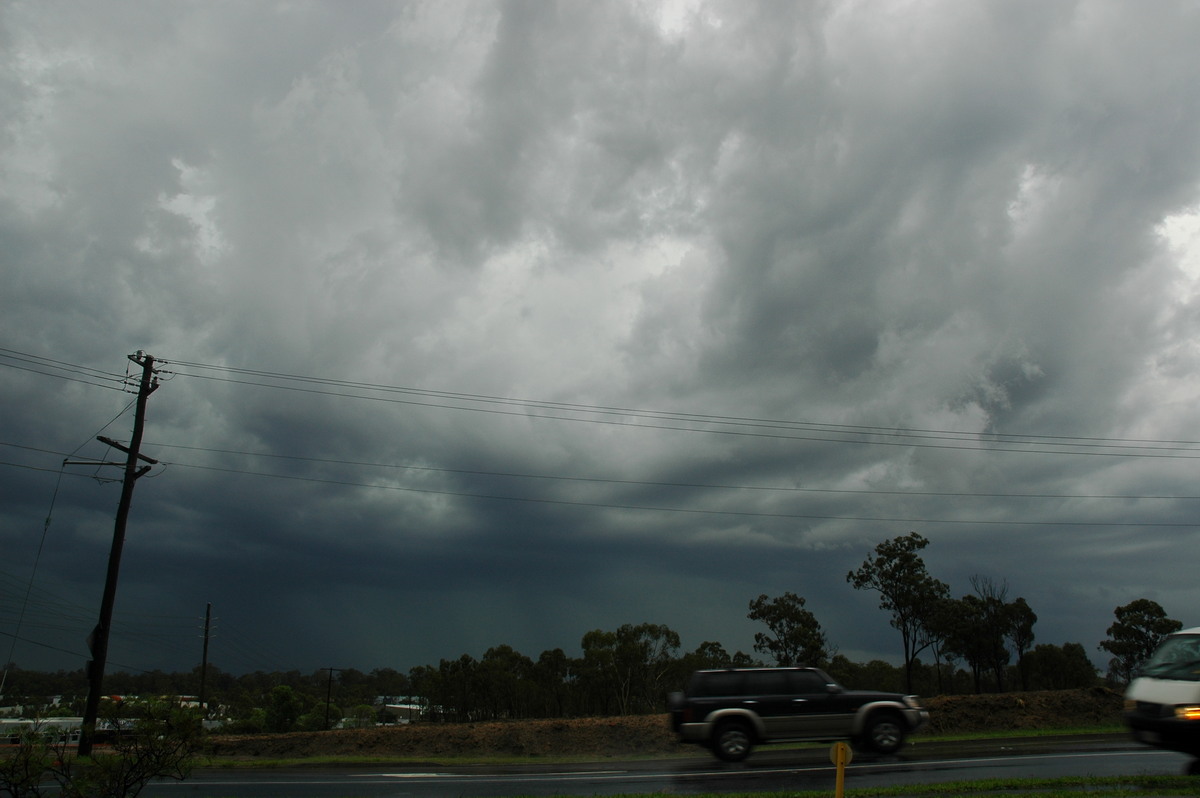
(126, 449)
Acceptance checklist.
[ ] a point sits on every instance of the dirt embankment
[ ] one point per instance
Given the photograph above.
(600, 737)
(1048, 709)
(645, 734)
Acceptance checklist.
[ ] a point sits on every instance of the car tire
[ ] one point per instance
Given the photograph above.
(883, 734)
(732, 741)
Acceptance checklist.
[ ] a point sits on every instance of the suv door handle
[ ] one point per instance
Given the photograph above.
(799, 700)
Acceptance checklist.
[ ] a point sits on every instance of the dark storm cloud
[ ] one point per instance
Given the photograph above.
(774, 283)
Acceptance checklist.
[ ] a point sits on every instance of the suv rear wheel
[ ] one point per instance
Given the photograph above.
(883, 734)
(732, 741)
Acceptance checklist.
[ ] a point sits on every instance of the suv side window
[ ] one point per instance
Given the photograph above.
(767, 683)
(718, 684)
(805, 682)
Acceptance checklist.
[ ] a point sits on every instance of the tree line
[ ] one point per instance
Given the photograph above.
(979, 642)
(991, 636)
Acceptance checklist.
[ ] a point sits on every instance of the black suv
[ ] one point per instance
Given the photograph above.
(730, 711)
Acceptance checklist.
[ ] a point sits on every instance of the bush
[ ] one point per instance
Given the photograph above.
(162, 744)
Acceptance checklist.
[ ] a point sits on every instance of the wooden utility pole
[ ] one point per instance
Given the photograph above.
(204, 661)
(98, 640)
(329, 694)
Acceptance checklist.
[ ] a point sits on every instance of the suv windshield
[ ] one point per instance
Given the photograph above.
(1177, 658)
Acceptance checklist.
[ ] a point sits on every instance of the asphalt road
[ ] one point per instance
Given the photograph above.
(806, 769)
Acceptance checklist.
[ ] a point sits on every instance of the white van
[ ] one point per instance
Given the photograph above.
(1162, 704)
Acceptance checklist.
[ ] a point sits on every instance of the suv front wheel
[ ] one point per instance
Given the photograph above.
(883, 734)
(732, 741)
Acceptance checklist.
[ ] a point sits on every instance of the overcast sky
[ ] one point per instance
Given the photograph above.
(493, 323)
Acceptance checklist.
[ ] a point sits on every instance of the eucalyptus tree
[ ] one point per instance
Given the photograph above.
(993, 624)
(906, 590)
(1140, 627)
(626, 671)
(554, 674)
(1051, 667)
(507, 687)
(1020, 634)
(795, 634)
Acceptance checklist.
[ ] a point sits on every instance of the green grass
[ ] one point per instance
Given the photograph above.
(339, 761)
(1106, 787)
(1035, 733)
(1114, 787)
(1010, 734)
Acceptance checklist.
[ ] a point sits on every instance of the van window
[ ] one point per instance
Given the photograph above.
(1177, 658)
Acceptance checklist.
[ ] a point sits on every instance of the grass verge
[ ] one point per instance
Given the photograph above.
(1114, 787)
(1025, 733)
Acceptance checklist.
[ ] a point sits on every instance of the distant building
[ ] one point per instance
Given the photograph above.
(403, 713)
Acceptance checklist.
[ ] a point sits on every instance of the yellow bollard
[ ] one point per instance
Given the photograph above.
(840, 755)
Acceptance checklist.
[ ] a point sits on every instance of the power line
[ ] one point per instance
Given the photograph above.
(654, 483)
(1122, 447)
(72, 372)
(687, 510)
(125, 667)
(722, 425)
(718, 424)
(691, 486)
(40, 644)
(15, 588)
(626, 482)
